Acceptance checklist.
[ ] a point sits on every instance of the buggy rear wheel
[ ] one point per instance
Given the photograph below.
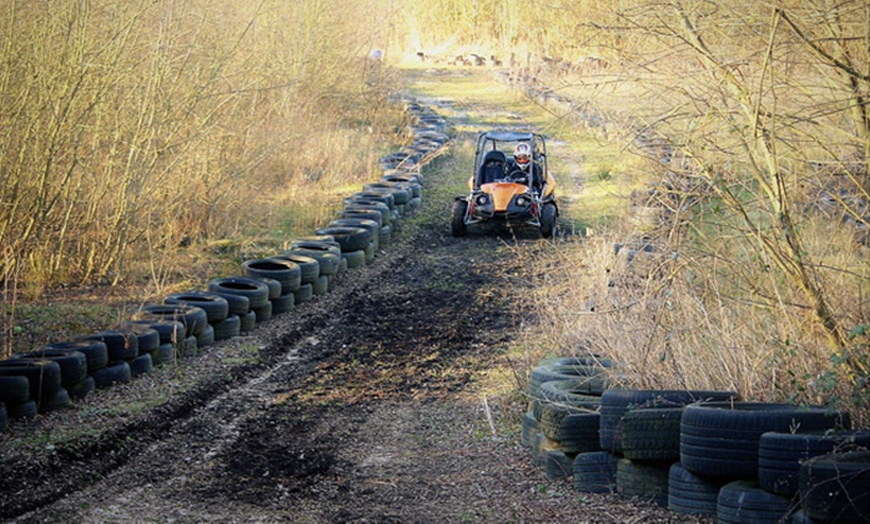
(548, 220)
(457, 224)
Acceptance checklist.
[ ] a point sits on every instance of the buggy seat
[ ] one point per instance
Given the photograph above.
(493, 167)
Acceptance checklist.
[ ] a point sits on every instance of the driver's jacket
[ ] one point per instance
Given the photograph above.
(516, 172)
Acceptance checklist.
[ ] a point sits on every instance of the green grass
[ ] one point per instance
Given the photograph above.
(595, 175)
(38, 324)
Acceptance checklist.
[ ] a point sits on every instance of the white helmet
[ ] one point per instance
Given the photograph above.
(523, 154)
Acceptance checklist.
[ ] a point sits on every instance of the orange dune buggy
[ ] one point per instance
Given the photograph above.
(500, 190)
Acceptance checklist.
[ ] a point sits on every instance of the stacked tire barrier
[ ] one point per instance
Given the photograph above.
(696, 452)
(187, 323)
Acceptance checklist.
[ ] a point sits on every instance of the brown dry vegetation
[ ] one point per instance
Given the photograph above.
(753, 123)
(132, 130)
(751, 120)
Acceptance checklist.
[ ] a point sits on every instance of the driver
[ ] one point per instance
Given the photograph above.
(523, 166)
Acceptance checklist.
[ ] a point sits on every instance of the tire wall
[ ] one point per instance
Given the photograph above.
(188, 323)
(705, 453)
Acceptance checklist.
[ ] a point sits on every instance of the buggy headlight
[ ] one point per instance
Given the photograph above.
(522, 201)
(481, 200)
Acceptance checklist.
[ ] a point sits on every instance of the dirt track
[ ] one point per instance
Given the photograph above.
(366, 405)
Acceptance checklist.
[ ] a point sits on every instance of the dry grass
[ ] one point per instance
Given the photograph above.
(140, 136)
(753, 284)
(701, 312)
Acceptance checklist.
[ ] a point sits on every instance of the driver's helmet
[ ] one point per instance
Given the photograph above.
(523, 154)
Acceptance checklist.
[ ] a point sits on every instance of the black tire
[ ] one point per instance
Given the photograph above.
(552, 417)
(73, 364)
(237, 304)
(169, 331)
(194, 318)
(319, 239)
(43, 376)
(385, 234)
(573, 390)
(342, 266)
(115, 373)
(354, 259)
(274, 286)
(247, 322)
(458, 227)
(368, 214)
(836, 487)
(371, 226)
(383, 196)
(283, 270)
(309, 267)
(589, 361)
(349, 238)
(206, 338)
(23, 410)
(617, 402)
(401, 195)
(780, 455)
(141, 365)
(228, 328)
(530, 427)
(369, 253)
(595, 472)
(548, 220)
(321, 287)
(82, 389)
(652, 434)
(721, 439)
(410, 181)
(561, 393)
(14, 389)
(147, 338)
(647, 482)
(256, 291)
(284, 303)
(215, 306)
(121, 345)
(304, 294)
(362, 204)
(554, 372)
(327, 260)
(165, 354)
(690, 493)
(744, 501)
(578, 433)
(558, 465)
(95, 351)
(264, 312)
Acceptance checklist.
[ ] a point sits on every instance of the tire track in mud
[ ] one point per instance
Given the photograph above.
(355, 408)
(417, 324)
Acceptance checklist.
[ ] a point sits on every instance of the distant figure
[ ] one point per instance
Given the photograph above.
(376, 54)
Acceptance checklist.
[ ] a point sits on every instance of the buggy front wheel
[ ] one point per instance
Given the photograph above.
(457, 224)
(548, 220)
